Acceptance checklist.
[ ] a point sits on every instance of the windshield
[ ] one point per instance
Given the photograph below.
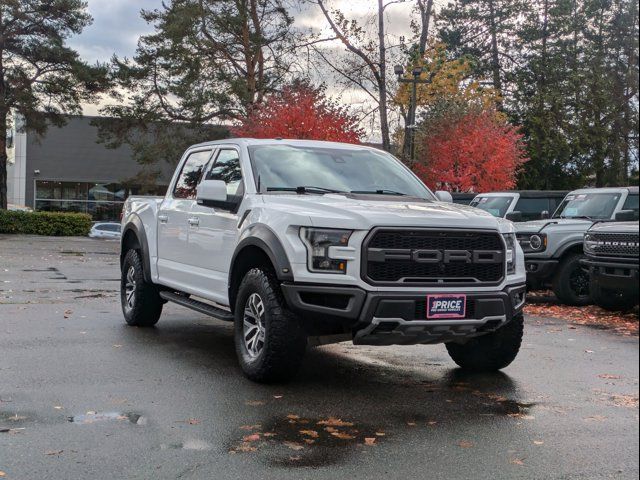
(588, 205)
(496, 206)
(326, 170)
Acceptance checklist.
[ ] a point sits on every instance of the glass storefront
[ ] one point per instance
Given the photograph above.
(100, 200)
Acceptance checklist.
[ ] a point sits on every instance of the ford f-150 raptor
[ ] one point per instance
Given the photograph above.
(305, 242)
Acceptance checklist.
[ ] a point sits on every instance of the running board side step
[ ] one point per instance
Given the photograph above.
(198, 306)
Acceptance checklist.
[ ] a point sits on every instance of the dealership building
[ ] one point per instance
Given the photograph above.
(67, 170)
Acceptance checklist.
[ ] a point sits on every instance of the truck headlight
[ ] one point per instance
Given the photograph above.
(510, 240)
(590, 243)
(533, 242)
(319, 242)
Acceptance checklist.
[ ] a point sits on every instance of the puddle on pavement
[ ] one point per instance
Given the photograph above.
(90, 418)
(293, 441)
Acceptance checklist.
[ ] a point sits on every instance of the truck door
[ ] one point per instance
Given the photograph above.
(173, 221)
(214, 230)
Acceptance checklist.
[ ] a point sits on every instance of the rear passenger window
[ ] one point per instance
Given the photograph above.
(190, 175)
(227, 169)
(531, 208)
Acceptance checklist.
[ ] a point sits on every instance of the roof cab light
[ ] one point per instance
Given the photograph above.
(321, 254)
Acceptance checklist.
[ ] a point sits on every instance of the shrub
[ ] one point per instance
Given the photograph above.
(59, 224)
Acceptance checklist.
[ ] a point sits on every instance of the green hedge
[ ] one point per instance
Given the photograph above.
(59, 224)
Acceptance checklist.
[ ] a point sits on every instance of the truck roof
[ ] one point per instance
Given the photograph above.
(280, 141)
(528, 193)
(605, 190)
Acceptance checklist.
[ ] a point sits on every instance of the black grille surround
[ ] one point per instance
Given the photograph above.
(615, 244)
(394, 268)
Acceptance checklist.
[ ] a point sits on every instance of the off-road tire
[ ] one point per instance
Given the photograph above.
(569, 272)
(491, 352)
(612, 300)
(284, 340)
(147, 304)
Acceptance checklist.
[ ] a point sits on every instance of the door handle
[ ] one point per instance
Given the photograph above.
(194, 221)
(163, 218)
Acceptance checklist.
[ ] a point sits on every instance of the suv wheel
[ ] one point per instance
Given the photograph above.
(490, 352)
(141, 303)
(612, 300)
(571, 283)
(269, 341)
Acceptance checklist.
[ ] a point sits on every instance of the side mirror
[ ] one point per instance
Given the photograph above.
(210, 192)
(544, 215)
(514, 216)
(625, 216)
(444, 196)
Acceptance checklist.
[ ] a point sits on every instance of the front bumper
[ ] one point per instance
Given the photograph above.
(398, 318)
(538, 269)
(614, 274)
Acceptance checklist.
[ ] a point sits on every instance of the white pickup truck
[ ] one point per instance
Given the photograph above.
(304, 242)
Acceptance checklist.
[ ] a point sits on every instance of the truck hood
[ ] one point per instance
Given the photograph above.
(345, 211)
(616, 227)
(561, 224)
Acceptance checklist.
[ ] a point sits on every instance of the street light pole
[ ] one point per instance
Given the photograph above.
(410, 127)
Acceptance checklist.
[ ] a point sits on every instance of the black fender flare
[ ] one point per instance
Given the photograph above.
(266, 240)
(134, 224)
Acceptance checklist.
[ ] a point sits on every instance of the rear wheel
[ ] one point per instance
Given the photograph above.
(492, 351)
(269, 341)
(571, 283)
(141, 303)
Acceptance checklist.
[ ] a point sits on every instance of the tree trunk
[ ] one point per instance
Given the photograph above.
(3, 159)
(495, 54)
(425, 6)
(382, 82)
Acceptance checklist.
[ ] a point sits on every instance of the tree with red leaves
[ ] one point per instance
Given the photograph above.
(476, 151)
(300, 111)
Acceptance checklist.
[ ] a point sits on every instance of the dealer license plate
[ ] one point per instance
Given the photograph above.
(446, 306)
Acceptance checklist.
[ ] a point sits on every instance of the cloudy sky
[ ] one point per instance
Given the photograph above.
(117, 26)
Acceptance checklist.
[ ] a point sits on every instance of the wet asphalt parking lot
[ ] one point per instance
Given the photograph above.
(83, 396)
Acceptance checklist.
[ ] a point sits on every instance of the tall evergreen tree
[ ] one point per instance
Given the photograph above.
(41, 78)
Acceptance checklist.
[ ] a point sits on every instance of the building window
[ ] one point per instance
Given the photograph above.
(103, 201)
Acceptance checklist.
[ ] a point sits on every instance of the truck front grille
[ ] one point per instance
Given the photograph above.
(433, 257)
(615, 244)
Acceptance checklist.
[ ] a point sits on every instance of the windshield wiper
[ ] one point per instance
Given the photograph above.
(379, 192)
(301, 190)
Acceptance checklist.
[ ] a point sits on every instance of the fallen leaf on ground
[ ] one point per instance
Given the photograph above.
(53, 452)
(380, 434)
(254, 403)
(588, 351)
(67, 313)
(193, 421)
(411, 424)
(245, 447)
(293, 417)
(251, 438)
(57, 407)
(2, 474)
(294, 446)
(342, 435)
(309, 440)
(310, 433)
(278, 396)
(335, 422)
(608, 376)
(295, 459)
(117, 346)
(432, 423)
(538, 442)
(249, 428)
(517, 461)
(370, 441)
(269, 434)
(595, 418)
(465, 444)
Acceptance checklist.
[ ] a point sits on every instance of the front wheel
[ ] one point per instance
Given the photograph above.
(269, 341)
(141, 303)
(571, 283)
(491, 352)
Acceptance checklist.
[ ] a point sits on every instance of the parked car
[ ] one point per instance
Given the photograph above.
(553, 248)
(105, 230)
(520, 205)
(611, 251)
(302, 242)
(463, 198)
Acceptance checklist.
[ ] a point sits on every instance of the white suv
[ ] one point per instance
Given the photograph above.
(303, 242)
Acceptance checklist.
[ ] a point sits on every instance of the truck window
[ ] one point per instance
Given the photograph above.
(531, 208)
(631, 203)
(190, 175)
(227, 168)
